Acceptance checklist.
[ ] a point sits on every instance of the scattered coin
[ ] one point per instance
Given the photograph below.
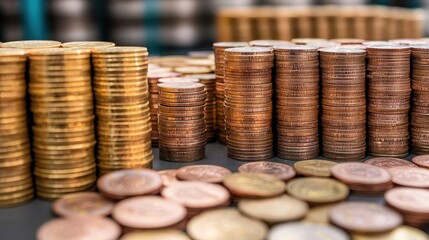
(164, 234)
(314, 168)
(422, 161)
(317, 190)
(254, 185)
(387, 162)
(399, 233)
(281, 171)
(203, 173)
(410, 176)
(82, 204)
(306, 231)
(319, 214)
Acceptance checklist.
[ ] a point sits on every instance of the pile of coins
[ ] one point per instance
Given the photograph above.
(16, 183)
(248, 103)
(122, 108)
(219, 51)
(181, 120)
(154, 101)
(388, 100)
(63, 121)
(297, 102)
(420, 109)
(343, 103)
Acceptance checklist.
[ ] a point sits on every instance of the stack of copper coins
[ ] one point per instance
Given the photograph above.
(420, 110)
(16, 183)
(248, 103)
(122, 108)
(209, 81)
(343, 103)
(388, 100)
(154, 100)
(297, 102)
(63, 121)
(181, 121)
(219, 51)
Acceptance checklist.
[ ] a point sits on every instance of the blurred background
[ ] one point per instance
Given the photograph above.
(165, 26)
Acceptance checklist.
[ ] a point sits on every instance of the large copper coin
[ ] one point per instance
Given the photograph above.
(203, 173)
(282, 171)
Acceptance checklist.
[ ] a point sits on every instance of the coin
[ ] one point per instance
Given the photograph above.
(317, 190)
(168, 177)
(87, 44)
(254, 185)
(203, 173)
(314, 168)
(410, 176)
(282, 171)
(319, 214)
(31, 44)
(389, 162)
(171, 234)
(82, 205)
(399, 233)
(306, 231)
(422, 161)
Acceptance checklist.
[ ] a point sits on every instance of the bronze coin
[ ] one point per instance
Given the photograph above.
(203, 173)
(279, 170)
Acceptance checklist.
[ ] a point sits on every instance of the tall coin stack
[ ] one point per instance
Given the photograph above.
(343, 103)
(248, 103)
(388, 100)
(122, 108)
(219, 52)
(182, 126)
(420, 111)
(63, 121)
(16, 183)
(297, 101)
(154, 101)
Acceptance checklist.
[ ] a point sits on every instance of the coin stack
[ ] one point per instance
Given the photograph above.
(16, 183)
(420, 110)
(63, 121)
(248, 103)
(32, 44)
(388, 100)
(209, 81)
(297, 101)
(219, 51)
(122, 108)
(343, 103)
(181, 121)
(154, 100)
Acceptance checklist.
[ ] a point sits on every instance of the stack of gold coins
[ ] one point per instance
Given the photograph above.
(154, 100)
(31, 44)
(388, 100)
(16, 183)
(182, 126)
(297, 101)
(420, 111)
(343, 103)
(248, 103)
(87, 44)
(63, 121)
(209, 81)
(122, 108)
(219, 52)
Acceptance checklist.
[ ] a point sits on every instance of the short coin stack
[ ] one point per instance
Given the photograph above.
(16, 183)
(297, 102)
(154, 101)
(248, 103)
(63, 121)
(343, 103)
(219, 51)
(181, 121)
(388, 100)
(420, 110)
(122, 108)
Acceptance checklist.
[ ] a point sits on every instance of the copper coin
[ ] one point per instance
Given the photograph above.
(282, 171)
(168, 177)
(162, 234)
(422, 161)
(410, 176)
(203, 173)
(354, 172)
(306, 231)
(82, 204)
(385, 162)
(409, 200)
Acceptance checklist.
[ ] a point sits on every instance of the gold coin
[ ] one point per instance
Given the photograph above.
(164, 234)
(16, 201)
(314, 168)
(317, 190)
(400, 233)
(31, 44)
(87, 44)
(254, 185)
(319, 214)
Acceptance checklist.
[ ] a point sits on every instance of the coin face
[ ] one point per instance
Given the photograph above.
(317, 190)
(281, 171)
(363, 217)
(422, 161)
(274, 210)
(79, 228)
(148, 212)
(306, 231)
(410, 176)
(386, 162)
(203, 173)
(31, 44)
(360, 173)
(399, 233)
(82, 204)
(164, 234)
(314, 168)
(225, 224)
(254, 185)
(408, 199)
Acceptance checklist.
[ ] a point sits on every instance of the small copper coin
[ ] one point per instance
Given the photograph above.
(314, 168)
(386, 162)
(79, 229)
(363, 217)
(82, 204)
(410, 176)
(355, 172)
(422, 161)
(254, 185)
(168, 176)
(410, 200)
(203, 173)
(163, 234)
(281, 171)
(306, 231)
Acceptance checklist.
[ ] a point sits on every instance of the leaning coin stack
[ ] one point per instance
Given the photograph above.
(248, 103)
(16, 183)
(388, 100)
(297, 102)
(181, 121)
(154, 100)
(343, 103)
(122, 108)
(63, 121)
(420, 110)
(219, 51)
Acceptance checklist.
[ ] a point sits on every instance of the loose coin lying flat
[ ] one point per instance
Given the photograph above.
(306, 231)
(254, 185)
(410, 176)
(314, 168)
(399, 233)
(317, 190)
(203, 173)
(282, 171)
(386, 162)
(422, 161)
(82, 204)
(164, 234)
